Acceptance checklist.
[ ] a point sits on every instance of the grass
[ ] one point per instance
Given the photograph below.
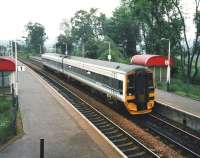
(19, 124)
(6, 118)
(25, 54)
(181, 88)
(5, 104)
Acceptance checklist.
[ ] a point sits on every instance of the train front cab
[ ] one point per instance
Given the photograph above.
(140, 92)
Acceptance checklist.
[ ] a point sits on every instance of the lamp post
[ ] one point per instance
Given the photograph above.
(40, 49)
(168, 63)
(66, 52)
(109, 51)
(16, 74)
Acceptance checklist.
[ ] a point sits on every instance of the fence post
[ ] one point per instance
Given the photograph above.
(13, 95)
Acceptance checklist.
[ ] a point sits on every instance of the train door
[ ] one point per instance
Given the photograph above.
(141, 89)
(131, 85)
(113, 84)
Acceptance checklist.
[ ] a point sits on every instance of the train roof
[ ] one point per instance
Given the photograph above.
(101, 63)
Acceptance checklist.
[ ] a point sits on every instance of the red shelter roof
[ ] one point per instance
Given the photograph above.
(7, 64)
(150, 60)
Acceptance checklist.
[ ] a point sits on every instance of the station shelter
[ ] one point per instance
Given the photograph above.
(157, 63)
(7, 74)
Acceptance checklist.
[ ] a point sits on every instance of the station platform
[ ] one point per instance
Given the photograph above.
(44, 117)
(178, 108)
(184, 104)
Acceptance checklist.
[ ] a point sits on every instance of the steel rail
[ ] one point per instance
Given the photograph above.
(185, 140)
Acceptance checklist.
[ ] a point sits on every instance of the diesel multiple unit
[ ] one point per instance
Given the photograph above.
(130, 84)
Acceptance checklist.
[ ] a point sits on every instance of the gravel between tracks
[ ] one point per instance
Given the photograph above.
(151, 141)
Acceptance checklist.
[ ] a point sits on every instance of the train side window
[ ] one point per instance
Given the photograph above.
(150, 79)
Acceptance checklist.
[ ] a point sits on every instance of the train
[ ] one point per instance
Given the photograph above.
(132, 85)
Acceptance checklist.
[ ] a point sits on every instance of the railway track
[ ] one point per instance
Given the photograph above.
(127, 144)
(190, 143)
(185, 141)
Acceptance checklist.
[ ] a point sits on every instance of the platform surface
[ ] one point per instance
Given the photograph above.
(43, 117)
(184, 104)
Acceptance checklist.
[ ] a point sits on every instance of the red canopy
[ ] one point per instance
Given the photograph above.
(150, 60)
(7, 64)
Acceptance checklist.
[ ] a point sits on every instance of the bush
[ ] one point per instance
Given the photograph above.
(5, 104)
(182, 88)
(6, 126)
(116, 56)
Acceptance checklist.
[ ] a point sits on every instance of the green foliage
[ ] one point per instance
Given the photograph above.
(61, 43)
(116, 56)
(87, 30)
(87, 25)
(180, 87)
(6, 126)
(157, 20)
(36, 37)
(6, 119)
(65, 38)
(25, 54)
(5, 104)
(123, 29)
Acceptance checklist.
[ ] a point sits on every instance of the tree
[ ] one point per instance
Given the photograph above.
(61, 43)
(161, 18)
(87, 30)
(36, 37)
(65, 38)
(123, 29)
(191, 53)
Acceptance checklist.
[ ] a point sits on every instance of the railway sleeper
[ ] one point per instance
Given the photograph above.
(105, 126)
(138, 155)
(84, 110)
(86, 113)
(130, 149)
(116, 136)
(80, 106)
(125, 145)
(112, 132)
(97, 120)
(110, 129)
(89, 111)
(101, 123)
(119, 141)
(95, 117)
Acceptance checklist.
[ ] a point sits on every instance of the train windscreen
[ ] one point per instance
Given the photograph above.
(140, 86)
(131, 85)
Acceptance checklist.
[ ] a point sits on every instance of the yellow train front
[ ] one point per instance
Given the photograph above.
(130, 84)
(139, 92)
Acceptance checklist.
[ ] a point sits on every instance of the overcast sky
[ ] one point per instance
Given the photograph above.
(14, 14)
